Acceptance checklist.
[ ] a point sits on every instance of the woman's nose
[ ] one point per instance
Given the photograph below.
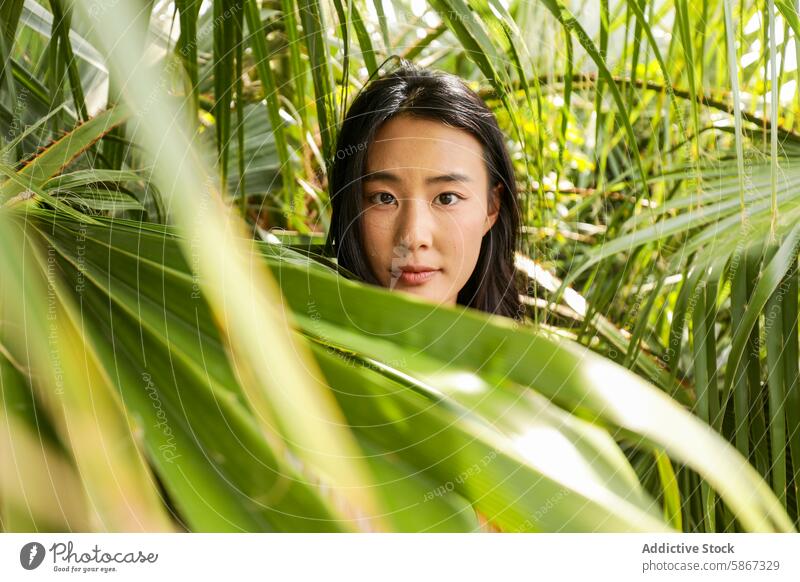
(415, 228)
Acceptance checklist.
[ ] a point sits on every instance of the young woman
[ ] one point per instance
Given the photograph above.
(423, 193)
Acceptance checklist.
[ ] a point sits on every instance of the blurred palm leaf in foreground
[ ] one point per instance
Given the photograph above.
(455, 409)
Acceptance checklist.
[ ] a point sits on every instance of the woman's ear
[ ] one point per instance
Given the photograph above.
(494, 207)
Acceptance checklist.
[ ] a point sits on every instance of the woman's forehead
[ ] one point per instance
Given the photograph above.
(409, 147)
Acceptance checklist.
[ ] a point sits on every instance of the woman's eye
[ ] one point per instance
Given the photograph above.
(383, 198)
(449, 198)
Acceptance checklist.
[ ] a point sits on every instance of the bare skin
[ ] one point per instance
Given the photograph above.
(426, 207)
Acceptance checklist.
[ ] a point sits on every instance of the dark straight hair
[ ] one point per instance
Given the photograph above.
(443, 97)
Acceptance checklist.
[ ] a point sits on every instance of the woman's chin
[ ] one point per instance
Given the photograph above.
(421, 292)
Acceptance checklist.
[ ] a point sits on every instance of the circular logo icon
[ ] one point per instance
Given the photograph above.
(31, 555)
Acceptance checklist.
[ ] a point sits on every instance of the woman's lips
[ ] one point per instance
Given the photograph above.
(416, 278)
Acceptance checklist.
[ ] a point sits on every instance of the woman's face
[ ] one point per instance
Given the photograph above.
(426, 207)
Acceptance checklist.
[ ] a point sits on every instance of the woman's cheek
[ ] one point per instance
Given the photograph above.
(471, 249)
(373, 233)
(465, 239)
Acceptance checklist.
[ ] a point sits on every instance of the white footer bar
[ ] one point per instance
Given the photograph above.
(401, 557)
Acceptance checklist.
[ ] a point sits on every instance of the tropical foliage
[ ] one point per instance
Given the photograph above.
(175, 353)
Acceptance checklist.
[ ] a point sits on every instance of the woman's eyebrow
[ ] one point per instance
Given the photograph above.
(390, 177)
